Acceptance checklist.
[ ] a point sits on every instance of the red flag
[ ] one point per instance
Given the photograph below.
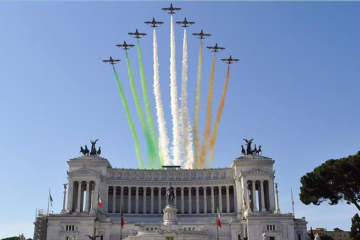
(218, 218)
(244, 202)
(100, 203)
(122, 219)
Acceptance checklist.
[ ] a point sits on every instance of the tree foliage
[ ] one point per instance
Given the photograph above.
(338, 230)
(332, 181)
(355, 228)
(326, 237)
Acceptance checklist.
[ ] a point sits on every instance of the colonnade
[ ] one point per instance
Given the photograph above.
(260, 195)
(77, 200)
(188, 200)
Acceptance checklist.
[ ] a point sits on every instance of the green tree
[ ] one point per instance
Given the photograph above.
(11, 238)
(326, 237)
(355, 228)
(332, 181)
(338, 230)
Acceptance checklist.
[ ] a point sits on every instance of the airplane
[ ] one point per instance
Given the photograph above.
(137, 34)
(171, 9)
(216, 48)
(154, 23)
(125, 45)
(229, 60)
(185, 22)
(112, 61)
(202, 34)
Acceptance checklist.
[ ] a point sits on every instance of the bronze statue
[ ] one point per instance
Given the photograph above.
(254, 150)
(248, 147)
(170, 195)
(92, 237)
(65, 184)
(259, 150)
(93, 147)
(243, 150)
(98, 151)
(85, 151)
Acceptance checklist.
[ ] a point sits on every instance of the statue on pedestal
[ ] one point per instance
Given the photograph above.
(264, 236)
(85, 151)
(93, 147)
(317, 237)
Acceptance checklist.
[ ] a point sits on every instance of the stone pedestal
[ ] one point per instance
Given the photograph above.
(170, 215)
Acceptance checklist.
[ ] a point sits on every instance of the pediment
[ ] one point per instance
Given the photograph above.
(84, 171)
(257, 170)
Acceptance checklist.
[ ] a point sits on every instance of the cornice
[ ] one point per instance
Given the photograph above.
(164, 183)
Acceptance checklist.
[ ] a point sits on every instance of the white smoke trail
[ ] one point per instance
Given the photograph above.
(163, 137)
(174, 98)
(186, 129)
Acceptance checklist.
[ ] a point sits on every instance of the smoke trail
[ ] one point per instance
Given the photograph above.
(149, 118)
(218, 117)
(130, 121)
(174, 97)
(163, 137)
(150, 145)
(204, 147)
(196, 115)
(186, 130)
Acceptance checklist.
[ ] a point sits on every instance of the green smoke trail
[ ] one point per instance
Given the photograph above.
(130, 121)
(150, 145)
(149, 118)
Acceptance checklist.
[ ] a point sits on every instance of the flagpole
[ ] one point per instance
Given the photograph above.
(121, 210)
(292, 201)
(217, 231)
(48, 203)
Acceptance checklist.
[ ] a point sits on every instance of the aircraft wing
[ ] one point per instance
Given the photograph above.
(131, 33)
(235, 60)
(165, 9)
(176, 9)
(106, 61)
(207, 34)
(148, 22)
(143, 34)
(222, 48)
(211, 47)
(130, 45)
(159, 22)
(190, 22)
(196, 34)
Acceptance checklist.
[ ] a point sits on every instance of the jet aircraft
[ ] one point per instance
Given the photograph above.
(216, 48)
(154, 23)
(137, 34)
(202, 34)
(229, 60)
(125, 46)
(185, 23)
(171, 9)
(112, 61)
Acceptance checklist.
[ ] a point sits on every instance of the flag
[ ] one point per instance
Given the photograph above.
(218, 218)
(100, 203)
(244, 202)
(122, 219)
(50, 198)
(292, 199)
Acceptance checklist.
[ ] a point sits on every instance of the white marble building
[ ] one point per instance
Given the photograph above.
(244, 193)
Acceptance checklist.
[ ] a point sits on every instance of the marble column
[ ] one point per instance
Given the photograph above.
(271, 194)
(121, 198)
(197, 201)
(152, 201)
(159, 201)
(205, 200)
(96, 195)
(92, 186)
(254, 196)
(227, 199)
(277, 210)
(182, 200)
(70, 196)
(78, 197)
(212, 199)
(263, 209)
(64, 200)
(114, 200)
(190, 208)
(87, 207)
(137, 201)
(129, 200)
(175, 205)
(220, 199)
(144, 200)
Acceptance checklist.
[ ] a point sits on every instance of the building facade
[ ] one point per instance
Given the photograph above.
(245, 194)
(336, 235)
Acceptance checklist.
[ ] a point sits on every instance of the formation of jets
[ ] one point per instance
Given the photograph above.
(229, 60)
(185, 24)
(154, 23)
(137, 34)
(112, 61)
(171, 9)
(125, 46)
(202, 34)
(216, 48)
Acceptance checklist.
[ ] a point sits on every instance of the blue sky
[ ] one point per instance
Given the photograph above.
(295, 90)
